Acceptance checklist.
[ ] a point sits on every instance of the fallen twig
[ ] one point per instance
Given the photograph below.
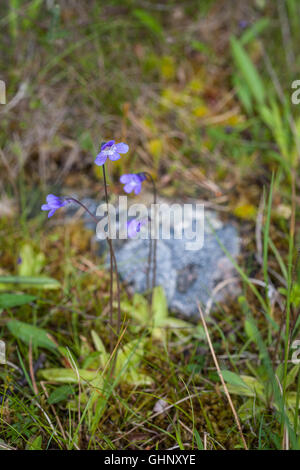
(221, 378)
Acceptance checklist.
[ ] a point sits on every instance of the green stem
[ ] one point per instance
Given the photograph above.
(113, 265)
(152, 242)
(289, 290)
(113, 262)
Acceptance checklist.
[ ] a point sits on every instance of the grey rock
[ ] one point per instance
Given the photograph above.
(186, 276)
(132, 261)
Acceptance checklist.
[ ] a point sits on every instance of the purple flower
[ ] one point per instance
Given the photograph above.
(110, 150)
(133, 182)
(53, 203)
(243, 24)
(134, 227)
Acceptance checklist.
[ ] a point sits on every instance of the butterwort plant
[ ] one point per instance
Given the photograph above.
(134, 227)
(108, 151)
(132, 184)
(53, 203)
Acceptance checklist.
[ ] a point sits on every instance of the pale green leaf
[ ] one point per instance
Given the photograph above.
(69, 376)
(251, 330)
(248, 71)
(29, 333)
(149, 21)
(233, 379)
(104, 357)
(60, 394)
(292, 375)
(129, 355)
(137, 379)
(40, 282)
(138, 309)
(31, 262)
(35, 444)
(249, 409)
(253, 388)
(159, 306)
(15, 300)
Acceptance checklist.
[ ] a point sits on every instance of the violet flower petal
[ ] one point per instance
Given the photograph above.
(138, 189)
(100, 159)
(125, 179)
(122, 148)
(108, 144)
(114, 156)
(128, 188)
(133, 182)
(134, 227)
(53, 203)
(51, 213)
